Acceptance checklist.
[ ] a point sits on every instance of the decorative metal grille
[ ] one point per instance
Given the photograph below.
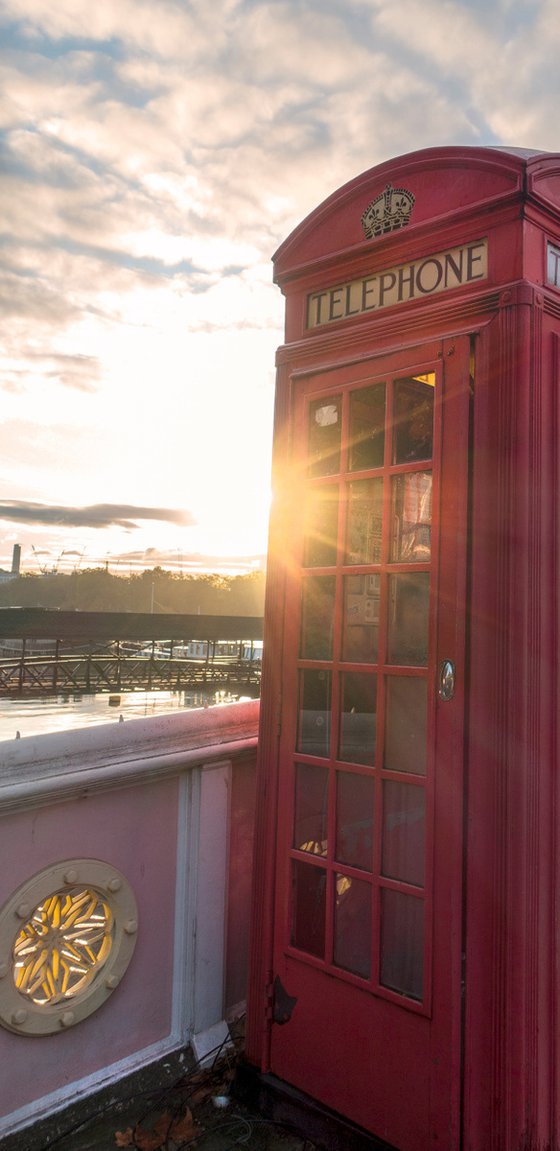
(62, 947)
(67, 936)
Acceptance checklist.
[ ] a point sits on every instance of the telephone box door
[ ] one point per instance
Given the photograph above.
(368, 902)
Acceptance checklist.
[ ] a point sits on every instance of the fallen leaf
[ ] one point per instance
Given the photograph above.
(184, 1128)
(124, 1138)
(163, 1124)
(147, 1140)
(155, 1138)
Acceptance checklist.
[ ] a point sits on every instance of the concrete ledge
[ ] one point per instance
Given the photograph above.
(111, 1105)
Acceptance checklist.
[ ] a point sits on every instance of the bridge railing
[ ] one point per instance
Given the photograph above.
(150, 823)
(32, 673)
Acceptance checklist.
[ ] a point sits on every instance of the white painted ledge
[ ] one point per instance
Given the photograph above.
(60, 765)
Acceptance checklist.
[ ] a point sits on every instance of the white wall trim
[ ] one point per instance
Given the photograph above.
(211, 897)
(182, 950)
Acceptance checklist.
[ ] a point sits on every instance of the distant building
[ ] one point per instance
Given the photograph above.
(16, 560)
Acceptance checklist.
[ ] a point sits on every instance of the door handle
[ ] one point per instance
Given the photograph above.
(446, 682)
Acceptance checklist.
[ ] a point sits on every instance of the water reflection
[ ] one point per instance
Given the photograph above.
(41, 715)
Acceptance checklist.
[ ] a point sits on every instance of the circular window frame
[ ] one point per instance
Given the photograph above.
(18, 1012)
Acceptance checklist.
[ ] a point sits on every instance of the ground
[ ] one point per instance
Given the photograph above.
(199, 1111)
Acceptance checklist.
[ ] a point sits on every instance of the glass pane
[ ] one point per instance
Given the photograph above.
(321, 524)
(314, 713)
(354, 820)
(405, 725)
(358, 718)
(413, 415)
(365, 512)
(360, 628)
(367, 428)
(411, 504)
(402, 943)
(308, 908)
(324, 436)
(404, 825)
(352, 925)
(317, 617)
(311, 809)
(408, 619)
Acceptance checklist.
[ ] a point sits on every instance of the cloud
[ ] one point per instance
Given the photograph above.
(165, 140)
(154, 154)
(96, 516)
(25, 295)
(81, 373)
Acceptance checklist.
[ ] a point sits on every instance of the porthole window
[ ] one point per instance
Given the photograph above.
(66, 938)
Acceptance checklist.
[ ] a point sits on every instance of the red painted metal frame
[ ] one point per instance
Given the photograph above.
(428, 358)
(508, 1034)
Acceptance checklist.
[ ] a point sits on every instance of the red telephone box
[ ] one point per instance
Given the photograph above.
(404, 961)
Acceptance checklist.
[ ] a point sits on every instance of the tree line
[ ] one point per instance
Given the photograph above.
(153, 590)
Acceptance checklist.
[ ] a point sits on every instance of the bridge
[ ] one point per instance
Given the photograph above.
(57, 653)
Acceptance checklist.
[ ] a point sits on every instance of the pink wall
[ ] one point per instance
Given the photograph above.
(134, 829)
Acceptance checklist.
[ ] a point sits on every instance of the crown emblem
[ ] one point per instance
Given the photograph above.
(391, 210)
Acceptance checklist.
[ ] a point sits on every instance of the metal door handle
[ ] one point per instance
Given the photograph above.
(446, 685)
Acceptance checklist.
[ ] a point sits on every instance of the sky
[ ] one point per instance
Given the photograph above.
(153, 156)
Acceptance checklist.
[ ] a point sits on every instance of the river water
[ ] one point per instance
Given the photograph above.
(63, 713)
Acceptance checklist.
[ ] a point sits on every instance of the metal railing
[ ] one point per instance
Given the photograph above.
(111, 670)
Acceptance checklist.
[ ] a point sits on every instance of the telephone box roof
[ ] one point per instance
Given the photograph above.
(435, 185)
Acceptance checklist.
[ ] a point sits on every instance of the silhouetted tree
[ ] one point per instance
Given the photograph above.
(96, 589)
